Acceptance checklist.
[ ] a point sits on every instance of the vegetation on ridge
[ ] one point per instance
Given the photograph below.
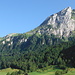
(30, 57)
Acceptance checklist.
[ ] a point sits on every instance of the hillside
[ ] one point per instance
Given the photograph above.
(43, 46)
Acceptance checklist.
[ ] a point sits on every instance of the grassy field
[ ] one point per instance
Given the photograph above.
(5, 71)
(71, 71)
(45, 72)
(52, 72)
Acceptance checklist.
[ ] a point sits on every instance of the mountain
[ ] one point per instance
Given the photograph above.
(42, 46)
(60, 24)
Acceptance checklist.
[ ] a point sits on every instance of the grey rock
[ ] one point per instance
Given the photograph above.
(61, 24)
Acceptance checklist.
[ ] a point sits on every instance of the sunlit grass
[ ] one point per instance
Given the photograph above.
(49, 71)
(5, 71)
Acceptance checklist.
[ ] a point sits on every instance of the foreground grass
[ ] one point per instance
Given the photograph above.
(71, 71)
(52, 72)
(5, 71)
(45, 72)
(40, 72)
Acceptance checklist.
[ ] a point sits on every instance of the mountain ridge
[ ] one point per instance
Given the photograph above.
(60, 25)
(42, 46)
(61, 20)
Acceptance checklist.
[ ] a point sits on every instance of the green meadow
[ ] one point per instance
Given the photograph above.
(52, 72)
(5, 71)
(44, 72)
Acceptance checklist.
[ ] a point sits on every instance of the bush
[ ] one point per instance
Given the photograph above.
(58, 73)
(62, 67)
(39, 70)
(26, 74)
(65, 71)
(61, 72)
(20, 72)
(8, 73)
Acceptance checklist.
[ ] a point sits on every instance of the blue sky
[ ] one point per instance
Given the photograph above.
(20, 16)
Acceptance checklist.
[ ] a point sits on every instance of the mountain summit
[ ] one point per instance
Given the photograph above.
(60, 17)
(61, 23)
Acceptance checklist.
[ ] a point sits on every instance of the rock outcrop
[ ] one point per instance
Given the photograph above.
(60, 24)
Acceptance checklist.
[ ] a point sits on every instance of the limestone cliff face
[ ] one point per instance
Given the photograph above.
(60, 24)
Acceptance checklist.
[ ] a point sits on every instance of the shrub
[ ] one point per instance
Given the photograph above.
(20, 72)
(39, 70)
(65, 71)
(26, 74)
(58, 73)
(62, 67)
(8, 73)
(61, 72)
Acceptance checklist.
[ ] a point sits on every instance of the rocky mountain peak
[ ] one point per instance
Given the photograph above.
(66, 11)
(61, 17)
(61, 23)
